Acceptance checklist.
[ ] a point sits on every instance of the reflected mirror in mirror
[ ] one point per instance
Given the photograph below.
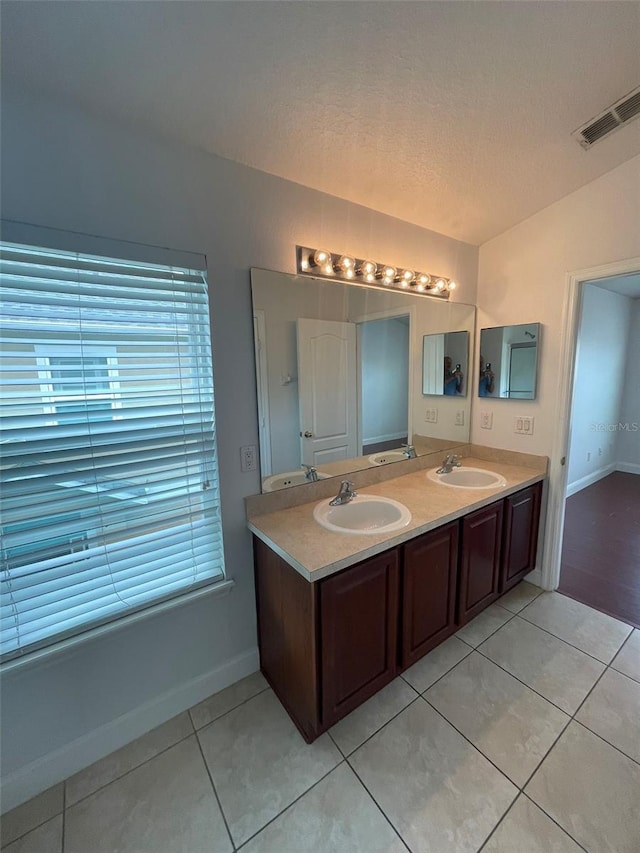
(339, 377)
(444, 364)
(509, 361)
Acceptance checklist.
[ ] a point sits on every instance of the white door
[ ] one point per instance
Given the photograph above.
(327, 394)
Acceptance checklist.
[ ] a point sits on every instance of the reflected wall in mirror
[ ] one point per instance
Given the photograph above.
(445, 364)
(339, 377)
(509, 361)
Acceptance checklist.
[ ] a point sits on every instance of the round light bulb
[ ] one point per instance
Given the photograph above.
(420, 287)
(408, 275)
(304, 264)
(390, 273)
(452, 285)
(328, 269)
(424, 280)
(368, 268)
(349, 273)
(404, 282)
(346, 263)
(321, 257)
(370, 276)
(439, 284)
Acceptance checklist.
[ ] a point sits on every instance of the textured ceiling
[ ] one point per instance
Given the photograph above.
(452, 115)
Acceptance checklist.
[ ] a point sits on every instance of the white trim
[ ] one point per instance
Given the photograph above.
(589, 480)
(627, 467)
(22, 784)
(534, 577)
(566, 367)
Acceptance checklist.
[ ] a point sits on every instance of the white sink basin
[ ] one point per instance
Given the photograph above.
(386, 456)
(289, 478)
(468, 478)
(365, 514)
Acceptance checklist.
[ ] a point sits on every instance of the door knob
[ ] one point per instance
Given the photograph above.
(307, 434)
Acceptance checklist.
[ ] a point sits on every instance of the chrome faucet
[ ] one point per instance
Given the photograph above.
(409, 451)
(310, 473)
(450, 462)
(345, 494)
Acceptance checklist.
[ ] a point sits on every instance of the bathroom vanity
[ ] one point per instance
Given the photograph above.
(340, 615)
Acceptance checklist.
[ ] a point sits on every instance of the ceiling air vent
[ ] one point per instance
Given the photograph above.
(613, 118)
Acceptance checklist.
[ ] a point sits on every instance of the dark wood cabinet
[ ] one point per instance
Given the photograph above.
(479, 560)
(327, 646)
(520, 536)
(358, 629)
(429, 584)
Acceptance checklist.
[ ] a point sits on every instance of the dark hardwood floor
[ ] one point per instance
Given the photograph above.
(601, 547)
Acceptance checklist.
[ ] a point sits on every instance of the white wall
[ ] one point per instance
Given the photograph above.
(628, 449)
(522, 278)
(599, 380)
(68, 170)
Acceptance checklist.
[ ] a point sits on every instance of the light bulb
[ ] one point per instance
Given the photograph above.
(388, 273)
(349, 273)
(304, 264)
(321, 257)
(424, 280)
(420, 286)
(408, 276)
(328, 269)
(404, 282)
(439, 284)
(346, 263)
(368, 268)
(452, 285)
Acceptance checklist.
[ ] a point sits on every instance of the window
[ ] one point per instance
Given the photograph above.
(110, 499)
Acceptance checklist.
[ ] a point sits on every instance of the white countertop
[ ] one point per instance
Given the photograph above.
(317, 553)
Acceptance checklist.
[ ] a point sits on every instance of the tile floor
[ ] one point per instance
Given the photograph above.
(521, 734)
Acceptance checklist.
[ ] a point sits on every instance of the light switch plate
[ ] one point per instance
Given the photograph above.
(523, 425)
(459, 417)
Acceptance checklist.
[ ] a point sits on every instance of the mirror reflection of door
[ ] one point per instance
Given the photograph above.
(384, 383)
(522, 371)
(327, 391)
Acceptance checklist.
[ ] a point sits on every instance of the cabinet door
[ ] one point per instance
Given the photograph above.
(359, 622)
(522, 514)
(480, 560)
(429, 581)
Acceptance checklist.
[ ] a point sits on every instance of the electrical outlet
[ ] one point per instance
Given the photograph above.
(248, 458)
(486, 420)
(459, 417)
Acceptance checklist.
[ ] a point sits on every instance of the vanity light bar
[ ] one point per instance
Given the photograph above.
(321, 263)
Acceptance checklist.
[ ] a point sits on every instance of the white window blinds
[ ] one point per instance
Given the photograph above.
(109, 496)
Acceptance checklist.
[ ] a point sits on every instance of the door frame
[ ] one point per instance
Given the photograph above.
(389, 313)
(558, 469)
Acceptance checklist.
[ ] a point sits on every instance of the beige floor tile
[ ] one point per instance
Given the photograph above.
(165, 806)
(587, 629)
(527, 829)
(559, 672)
(360, 724)
(45, 839)
(260, 764)
(518, 597)
(123, 760)
(436, 663)
(484, 624)
(436, 789)
(613, 712)
(336, 816)
(506, 721)
(591, 790)
(228, 699)
(32, 813)
(628, 658)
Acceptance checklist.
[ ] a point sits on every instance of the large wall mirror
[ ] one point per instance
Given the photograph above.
(509, 361)
(339, 376)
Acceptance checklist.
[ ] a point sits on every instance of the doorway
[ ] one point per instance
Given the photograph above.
(598, 533)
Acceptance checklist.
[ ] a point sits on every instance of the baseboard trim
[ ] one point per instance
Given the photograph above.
(628, 467)
(589, 480)
(33, 778)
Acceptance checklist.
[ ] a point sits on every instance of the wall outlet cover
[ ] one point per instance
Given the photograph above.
(486, 420)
